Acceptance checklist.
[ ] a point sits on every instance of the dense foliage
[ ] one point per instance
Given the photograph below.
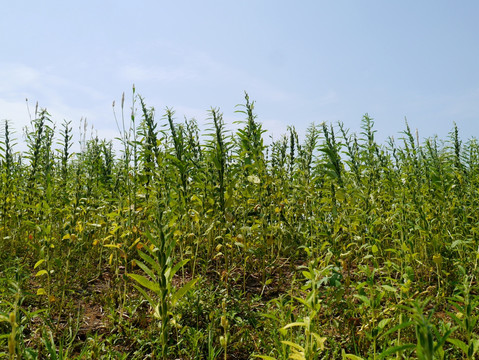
(219, 246)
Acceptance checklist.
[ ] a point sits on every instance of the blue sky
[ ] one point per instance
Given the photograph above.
(302, 62)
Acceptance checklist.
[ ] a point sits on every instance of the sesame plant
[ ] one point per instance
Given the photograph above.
(175, 241)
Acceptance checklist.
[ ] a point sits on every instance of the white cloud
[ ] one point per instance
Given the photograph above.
(201, 69)
(17, 76)
(16, 113)
(20, 80)
(66, 97)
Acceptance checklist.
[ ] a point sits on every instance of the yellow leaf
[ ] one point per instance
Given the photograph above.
(293, 345)
(319, 340)
(297, 356)
(41, 272)
(41, 291)
(437, 259)
(38, 263)
(294, 324)
(134, 243)
(177, 233)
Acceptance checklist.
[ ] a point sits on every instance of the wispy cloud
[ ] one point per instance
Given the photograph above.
(15, 76)
(186, 68)
(17, 79)
(15, 112)
(63, 98)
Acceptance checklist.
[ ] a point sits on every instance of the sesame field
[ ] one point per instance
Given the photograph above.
(177, 243)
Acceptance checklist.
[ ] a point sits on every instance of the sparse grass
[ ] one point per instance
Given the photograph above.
(184, 246)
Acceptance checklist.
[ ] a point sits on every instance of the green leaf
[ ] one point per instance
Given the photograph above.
(146, 296)
(153, 264)
(442, 340)
(302, 301)
(459, 344)
(396, 349)
(364, 299)
(146, 269)
(270, 316)
(182, 291)
(396, 328)
(475, 345)
(388, 288)
(177, 267)
(382, 324)
(307, 275)
(143, 281)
